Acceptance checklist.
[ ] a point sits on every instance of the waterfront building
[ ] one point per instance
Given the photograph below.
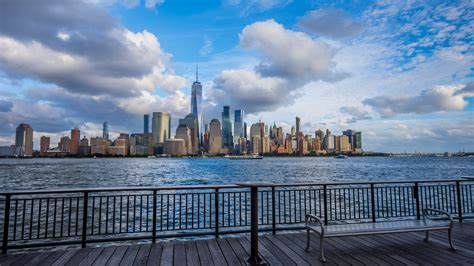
(99, 146)
(75, 138)
(174, 147)
(205, 139)
(84, 148)
(120, 146)
(227, 140)
(196, 106)
(355, 139)
(191, 122)
(105, 130)
(45, 142)
(64, 144)
(146, 124)
(245, 130)
(317, 144)
(24, 141)
(183, 132)
(266, 145)
(293, 131)
(238, 127)
(329, 143)
(160, 127)
(7, 151)
(256, 137)
(215, 136)
(141, 144)
(342, 144)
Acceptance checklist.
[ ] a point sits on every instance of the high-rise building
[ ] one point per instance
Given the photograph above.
(227, 140)
(75, 138)
(183, 132)
(105, 130)
(245, 129)
(84, 148)
(146, 124)
(99, 146)
(196, 106)
(355, 139)
(319, 133)
(24, 141)
(44, 145)
(161, 127)
(298, 125)
(190, 121)
(342, 144)
(65, 144)
(238, 125)
(329, 142)
(215, 136)
(257, 134)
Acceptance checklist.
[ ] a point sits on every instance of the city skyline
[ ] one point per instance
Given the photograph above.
(399, 72)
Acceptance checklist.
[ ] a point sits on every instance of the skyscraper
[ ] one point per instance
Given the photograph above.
(215, 137)
(238, 125)
(44, 145)
(227, 140)
(196, 105)
(160, 127)
(146, 124)
(24, 141)
(75, 137)
(105, 130)
(190, 122)
(298, 125)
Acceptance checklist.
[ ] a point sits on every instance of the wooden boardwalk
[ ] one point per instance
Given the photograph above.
(280, 249)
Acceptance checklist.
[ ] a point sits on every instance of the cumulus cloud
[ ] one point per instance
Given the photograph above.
(151, 4)
(289, 54)
(53, 43)
(330, 22)
(356, 113)
(438, 98)
(288, 61)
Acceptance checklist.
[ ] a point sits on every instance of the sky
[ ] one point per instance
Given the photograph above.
(402, 72)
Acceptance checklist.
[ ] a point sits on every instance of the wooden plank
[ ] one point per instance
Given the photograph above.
(192, 256)
(205, 257)
(91, 257)
(129, 256)
(179, 253)
(9, 259)
(167, 254)
(288, 251)
(263, 252)
(53, 256)
(65, 257)
(117, 256)
(39, 257)
(229, 255)
(155, 255)
(239, 251)
(79, 256)
(357, 252)
(142, 255)
(216, 253)
(104, 256)
(275, 251)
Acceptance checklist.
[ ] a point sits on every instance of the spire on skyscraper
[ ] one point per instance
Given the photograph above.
(197, 72)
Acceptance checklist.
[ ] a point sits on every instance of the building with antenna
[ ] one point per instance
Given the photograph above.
(196, 105)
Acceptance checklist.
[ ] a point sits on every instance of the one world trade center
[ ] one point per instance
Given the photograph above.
(196, 106)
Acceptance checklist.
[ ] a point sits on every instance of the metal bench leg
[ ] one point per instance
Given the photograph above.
(321, 248)
(427, 236)
(307, 240)
(450, 240)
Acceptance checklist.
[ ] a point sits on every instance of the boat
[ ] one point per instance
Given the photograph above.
(151, 157)
(245, 157)
(341, 156)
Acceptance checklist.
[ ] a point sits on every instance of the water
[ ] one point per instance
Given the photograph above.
(112, 172)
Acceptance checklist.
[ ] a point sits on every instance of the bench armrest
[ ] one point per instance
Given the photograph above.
(312, 217)
(450, 216)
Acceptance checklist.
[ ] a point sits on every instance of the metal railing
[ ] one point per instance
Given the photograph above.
(82, 216)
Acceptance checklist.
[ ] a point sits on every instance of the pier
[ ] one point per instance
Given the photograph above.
(172, 219)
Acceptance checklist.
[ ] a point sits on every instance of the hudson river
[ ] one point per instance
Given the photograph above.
(108, 172)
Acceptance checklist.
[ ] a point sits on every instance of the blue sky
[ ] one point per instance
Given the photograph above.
(401, 72)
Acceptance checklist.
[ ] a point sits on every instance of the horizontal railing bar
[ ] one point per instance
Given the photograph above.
(194, 187)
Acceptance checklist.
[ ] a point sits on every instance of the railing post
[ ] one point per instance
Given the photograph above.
(6, 221)
(458, 192)
(273, 211)
(416, 194)
(85, 204)
(372, 201)
(325, 195)
(216, 207)
(153, 230)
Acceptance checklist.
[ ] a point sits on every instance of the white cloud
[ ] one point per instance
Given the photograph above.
(438, 98)
(331, 22)
(288, 53)
(206, 47)
(151, 4)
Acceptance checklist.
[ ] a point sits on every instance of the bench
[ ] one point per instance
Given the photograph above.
(315, 224)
